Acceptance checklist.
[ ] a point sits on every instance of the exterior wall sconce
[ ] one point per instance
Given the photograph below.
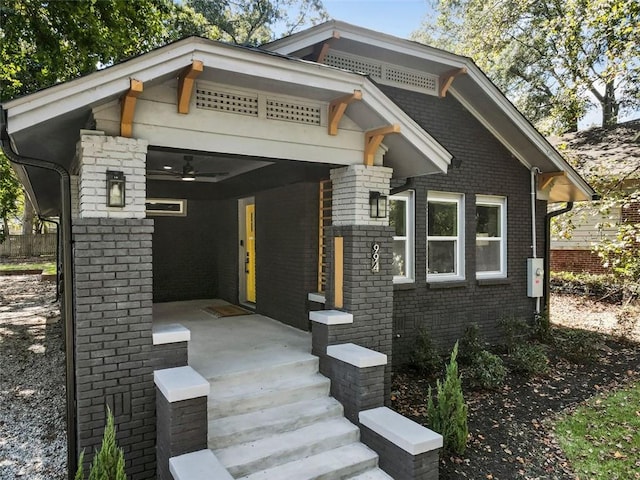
(377, 205)
(115, 189)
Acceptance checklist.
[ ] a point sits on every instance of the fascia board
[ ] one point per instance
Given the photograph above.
(413, 132)
(98, 86)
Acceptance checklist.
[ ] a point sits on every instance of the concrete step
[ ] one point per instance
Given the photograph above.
(272, 372)
(375, 474)
(229, 400)
(227, 431)
(247, 458)
(336, 464)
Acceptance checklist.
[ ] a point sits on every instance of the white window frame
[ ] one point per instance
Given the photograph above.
(181, 212)
(501, 202)
(407, 196)
(459, 274)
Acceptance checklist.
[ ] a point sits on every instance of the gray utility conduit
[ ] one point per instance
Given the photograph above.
(67, 281)
(534, 241)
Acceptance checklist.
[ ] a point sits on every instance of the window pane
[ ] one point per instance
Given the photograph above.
(487, 256)
(399, 265)
(443, 219)
(488, 218)
(397, 216)
(441, 256)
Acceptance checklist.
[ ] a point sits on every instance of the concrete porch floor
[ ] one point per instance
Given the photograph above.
(227, 345)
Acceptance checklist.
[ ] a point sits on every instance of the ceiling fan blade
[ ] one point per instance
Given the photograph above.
(212, 174)
(163, 172)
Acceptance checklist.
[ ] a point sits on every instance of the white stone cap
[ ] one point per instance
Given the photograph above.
(181, 383)
(356, 355)
(200, 465)
(331, 317)
(172, 333)
(317, 297)
(406, 434)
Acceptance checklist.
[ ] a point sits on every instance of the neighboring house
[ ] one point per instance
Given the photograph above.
(613, 155)
(258, 132)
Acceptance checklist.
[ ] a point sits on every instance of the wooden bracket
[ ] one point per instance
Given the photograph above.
(373, 139)
(337, 108)
(545, 179)
(129, 108)
(185, 84)
(321, 51)
(446, 79)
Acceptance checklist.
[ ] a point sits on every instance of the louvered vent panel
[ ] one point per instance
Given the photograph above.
(227, 102)
(354, 64)
(293, 112)
(408, 77)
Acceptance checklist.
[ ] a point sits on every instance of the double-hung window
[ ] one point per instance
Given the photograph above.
(491, 235)
(445, 236)
(401, 218)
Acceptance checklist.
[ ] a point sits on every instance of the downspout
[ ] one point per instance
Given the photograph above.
(57, 224)
(534, 248)
(547, 257)
(408, 185)
(67, 281)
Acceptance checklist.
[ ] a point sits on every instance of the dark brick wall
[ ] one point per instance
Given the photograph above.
(227, 243)
(286, 252)
(113, 296)
(170, 355)
(398, 463)
(488, 169)
(184, 255)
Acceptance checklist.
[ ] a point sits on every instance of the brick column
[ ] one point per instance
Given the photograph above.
(113, 303)
(367, 294)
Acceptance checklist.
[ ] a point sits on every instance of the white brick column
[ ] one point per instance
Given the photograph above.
(351, 186)
(97, 153)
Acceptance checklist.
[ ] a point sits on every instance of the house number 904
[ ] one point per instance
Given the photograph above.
(375, 258)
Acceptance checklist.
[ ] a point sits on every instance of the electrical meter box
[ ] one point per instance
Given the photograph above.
(535, 277)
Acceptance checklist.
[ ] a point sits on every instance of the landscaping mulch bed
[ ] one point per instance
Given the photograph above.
(511, 435)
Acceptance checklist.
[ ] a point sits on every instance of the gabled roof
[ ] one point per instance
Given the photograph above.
(46, 124)
(473, 90)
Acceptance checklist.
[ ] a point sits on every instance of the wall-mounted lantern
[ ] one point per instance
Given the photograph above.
(377, 205)
(115, 189)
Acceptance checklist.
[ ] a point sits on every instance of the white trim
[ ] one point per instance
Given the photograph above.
(317, 297)
(408, 197)
(200, 465)
(172, 333)
(182, 211)
(356, 355)
(458, 200)
(331, 317)
(501, 203)
(401, 431)
(180, 383)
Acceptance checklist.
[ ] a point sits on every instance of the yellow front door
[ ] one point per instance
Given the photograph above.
(250, 242)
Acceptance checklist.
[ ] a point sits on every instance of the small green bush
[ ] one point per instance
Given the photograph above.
(470, 345)
(448, 414)
(542, 328)
(516, 331)
(487, 371)
(425, 357)
(108, 462)
(578, 346)
(529, 359)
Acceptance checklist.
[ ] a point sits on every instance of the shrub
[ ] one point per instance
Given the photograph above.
(487, 371)
(425, 357)
(470, 345)
(448, 414)
(529, 359)
(578, 346)
(542, 328)
(516, 331)
(108, 462)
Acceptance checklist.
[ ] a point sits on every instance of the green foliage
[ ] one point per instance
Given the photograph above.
(542, 328)
(108, 462)
(80, 472)
(448, 413)
(529, 359)
(487, 371)
(603, 286)
(548, 55)
(425, 357)
(10, 192)
(516, 331)
(470, 345)
(578, 346)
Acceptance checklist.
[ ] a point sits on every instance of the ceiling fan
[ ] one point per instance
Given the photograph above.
(188, 173)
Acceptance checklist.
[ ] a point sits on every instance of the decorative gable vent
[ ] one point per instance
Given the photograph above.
(385, 72)
(227, 102)
(293, 112)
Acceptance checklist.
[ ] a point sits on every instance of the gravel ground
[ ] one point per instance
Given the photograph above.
(33, 441)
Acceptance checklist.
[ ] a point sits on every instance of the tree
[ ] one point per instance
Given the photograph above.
(556, 59)
(10, 191)
(251, 22)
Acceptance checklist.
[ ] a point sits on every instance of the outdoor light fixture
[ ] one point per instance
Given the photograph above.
(377, 205)
(115, 189)
(188, 172)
